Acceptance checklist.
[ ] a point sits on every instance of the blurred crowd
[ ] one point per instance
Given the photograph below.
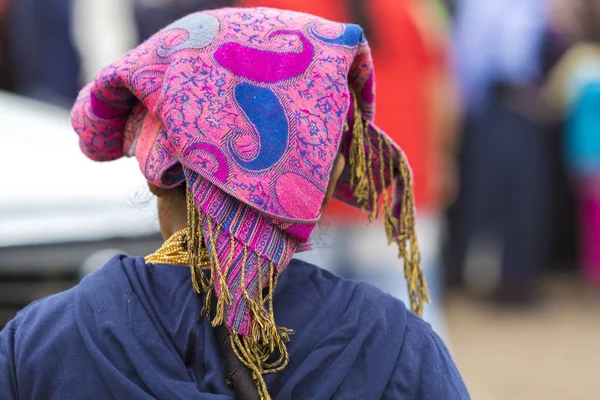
(495, 102)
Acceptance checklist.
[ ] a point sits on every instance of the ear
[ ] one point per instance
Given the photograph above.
(337, 170)
(157, 191)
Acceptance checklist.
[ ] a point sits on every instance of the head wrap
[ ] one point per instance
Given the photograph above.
(250, 107)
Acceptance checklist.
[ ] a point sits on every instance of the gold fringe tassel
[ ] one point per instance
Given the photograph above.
(267, 338)
(224, 297)
(264, 351)
(408, 246)
(366, 192)
(196, 247)
(358, 176)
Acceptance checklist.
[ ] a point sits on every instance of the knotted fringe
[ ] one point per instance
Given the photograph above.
(365, 190)
(196, 247)
(264, 351)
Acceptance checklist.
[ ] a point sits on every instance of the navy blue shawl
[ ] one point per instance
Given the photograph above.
(133, 331)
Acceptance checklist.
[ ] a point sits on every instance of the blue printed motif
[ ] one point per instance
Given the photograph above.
(201, 30)
(352, 35)
(265, 112)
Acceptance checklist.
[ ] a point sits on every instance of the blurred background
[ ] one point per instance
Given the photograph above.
(496, 103)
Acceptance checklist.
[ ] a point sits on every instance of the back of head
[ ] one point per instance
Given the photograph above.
(249, 108)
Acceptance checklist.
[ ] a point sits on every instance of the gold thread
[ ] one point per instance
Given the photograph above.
(187, 247)
(371, 180)
(390, 222)
(387, 202)
(172, 251)
(358, 175)
(224, 297)
(417, 286)
(402, 229)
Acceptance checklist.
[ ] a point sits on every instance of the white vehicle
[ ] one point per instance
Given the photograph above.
(60, 211)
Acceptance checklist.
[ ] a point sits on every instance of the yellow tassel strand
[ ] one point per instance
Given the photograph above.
(196, 249)
(417, 286)
(358, 162)
(366, 193)
(224, 297)
(390, 222)
(370, 178)
(187, 247)
(266, 337)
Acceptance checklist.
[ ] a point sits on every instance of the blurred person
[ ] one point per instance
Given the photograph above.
(151, 15)
(131, 22)
(572, 94)
(418, 107)
(498, 232)
(495, 42)
(245, 122)
(96, 45)
(43, 61)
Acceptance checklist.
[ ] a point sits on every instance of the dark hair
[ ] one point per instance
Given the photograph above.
(182, 188)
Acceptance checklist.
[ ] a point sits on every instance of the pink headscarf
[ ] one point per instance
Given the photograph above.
(250, 106)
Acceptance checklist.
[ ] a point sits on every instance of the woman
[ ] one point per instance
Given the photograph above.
(572, 93)
(498, 228)
(242, 121)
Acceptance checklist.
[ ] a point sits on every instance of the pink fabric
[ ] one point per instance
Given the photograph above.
(589, 209)
(190, 90)
(249, 105)
(274, 66)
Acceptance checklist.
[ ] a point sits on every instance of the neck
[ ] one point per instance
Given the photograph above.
(172, 228)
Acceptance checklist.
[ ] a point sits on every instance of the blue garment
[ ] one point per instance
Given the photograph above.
(360, 252)
(134, 331)
(582, 142)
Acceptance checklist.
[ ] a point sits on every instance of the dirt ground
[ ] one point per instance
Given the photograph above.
(551, 352)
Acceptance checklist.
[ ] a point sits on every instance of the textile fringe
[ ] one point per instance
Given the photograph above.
(358, 174)
(408, 247)
(264, 351)
(224, 294)
(365, 190)
(266, 338)
(195, 247)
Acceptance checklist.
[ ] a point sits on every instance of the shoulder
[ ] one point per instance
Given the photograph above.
(51, 322)
(49, 334)
(303, 284)
(43, 320)
(424, 369)
(405, 358)
(35, 341)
